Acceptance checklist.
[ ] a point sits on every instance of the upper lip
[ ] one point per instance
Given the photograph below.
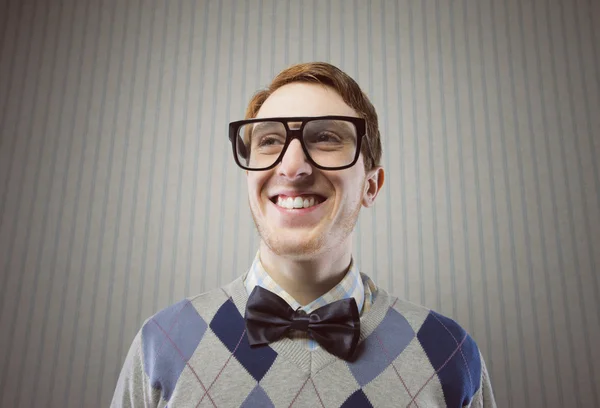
(295, 193)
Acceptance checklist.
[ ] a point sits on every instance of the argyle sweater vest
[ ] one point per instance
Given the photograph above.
(196, 354)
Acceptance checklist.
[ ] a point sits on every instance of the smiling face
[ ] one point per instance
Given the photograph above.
(299, 210)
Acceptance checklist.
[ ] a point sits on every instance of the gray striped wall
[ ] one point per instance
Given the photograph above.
(118, 195)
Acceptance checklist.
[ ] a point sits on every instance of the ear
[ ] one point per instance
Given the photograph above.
(373, 184)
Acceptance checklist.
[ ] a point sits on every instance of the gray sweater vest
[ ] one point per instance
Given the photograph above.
(196, 354)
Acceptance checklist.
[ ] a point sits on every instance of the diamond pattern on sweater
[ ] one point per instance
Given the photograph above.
(230, 327)
(210, 357)
(404, 379)
(454, 355)
(213, 368)
(357, 400)
(335, 383)
(231, 387)
(169, 339)
(283, 375)
(382, 347)
(257, 398)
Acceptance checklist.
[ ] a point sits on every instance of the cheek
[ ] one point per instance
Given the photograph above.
(256, 183)
(351, 195)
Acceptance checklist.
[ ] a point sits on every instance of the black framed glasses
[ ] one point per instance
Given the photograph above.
(329, 142)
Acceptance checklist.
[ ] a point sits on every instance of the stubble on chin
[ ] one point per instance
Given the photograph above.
(315, 244)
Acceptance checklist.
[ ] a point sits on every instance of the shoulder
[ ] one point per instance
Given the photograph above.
(451, 351)
(184, 315)
(170, 337)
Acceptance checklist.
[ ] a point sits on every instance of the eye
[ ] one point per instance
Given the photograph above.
(269, 140)
(325, 137)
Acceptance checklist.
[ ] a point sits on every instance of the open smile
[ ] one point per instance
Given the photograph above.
(298, 205)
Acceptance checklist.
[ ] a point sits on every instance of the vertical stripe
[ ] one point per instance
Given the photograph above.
(472, 129)
(136, 178)
(182, 156)
(526, 223)
(540, 360)
(79, 171)
(342, 37)
(34, 293)
(238, 175)
(211, 135)
(116, 236)
(129, 247)
(51, 267)
(99, 136)
(593, 44)
(225, 164)
(286, 47)
(489, 159)
(13, 85)
(358, 234)
(590, 135)
(5, 25)
(404, 270)
(538, 194)
(328, 24)
(20, 115)
(196, 151)
(92, 200)
(252, 245)
(371, 89)
(386, 150)
(314, 33)
(301, 30)
(21, 207)
(169, 137)
(273, 36)
(151, 181)
(416, 137)
(513, 255)
(433, 192)
(578, 270)
(459, 135)
(444, 136)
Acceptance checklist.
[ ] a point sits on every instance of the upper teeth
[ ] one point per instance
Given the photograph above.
(297, 202)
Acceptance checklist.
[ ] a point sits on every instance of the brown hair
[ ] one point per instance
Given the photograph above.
(344, 85)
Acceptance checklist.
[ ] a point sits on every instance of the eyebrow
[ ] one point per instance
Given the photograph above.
(336, 124)
(265, 125)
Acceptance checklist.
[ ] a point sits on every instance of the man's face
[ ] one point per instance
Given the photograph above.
(338, 195)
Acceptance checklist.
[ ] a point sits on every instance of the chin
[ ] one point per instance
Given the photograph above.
(296, 247)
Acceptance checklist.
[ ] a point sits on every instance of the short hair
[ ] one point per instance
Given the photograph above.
(333, 77)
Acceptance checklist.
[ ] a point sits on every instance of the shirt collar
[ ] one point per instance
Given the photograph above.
(350, 286)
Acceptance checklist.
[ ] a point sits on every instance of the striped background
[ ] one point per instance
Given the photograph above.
(118, 195)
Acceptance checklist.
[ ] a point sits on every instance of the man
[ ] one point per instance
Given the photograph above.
(303, 327)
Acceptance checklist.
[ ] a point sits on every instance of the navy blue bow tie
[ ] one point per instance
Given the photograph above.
(336, 326)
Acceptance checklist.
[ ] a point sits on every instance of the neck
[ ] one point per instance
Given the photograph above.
(307, 279)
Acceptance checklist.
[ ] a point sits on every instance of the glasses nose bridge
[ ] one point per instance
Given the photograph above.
(294, 133)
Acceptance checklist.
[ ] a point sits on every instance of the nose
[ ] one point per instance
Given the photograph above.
(294, 163)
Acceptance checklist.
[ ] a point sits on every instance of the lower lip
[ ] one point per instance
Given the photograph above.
(298, 211)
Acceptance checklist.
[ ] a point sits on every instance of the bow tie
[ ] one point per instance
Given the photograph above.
(336, 326)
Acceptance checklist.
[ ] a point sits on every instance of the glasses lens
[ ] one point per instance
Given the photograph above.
(259, 144)
(330, 142)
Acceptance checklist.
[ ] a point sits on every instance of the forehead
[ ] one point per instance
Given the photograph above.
(304, 99)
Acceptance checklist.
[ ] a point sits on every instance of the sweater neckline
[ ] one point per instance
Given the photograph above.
(312, 361)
